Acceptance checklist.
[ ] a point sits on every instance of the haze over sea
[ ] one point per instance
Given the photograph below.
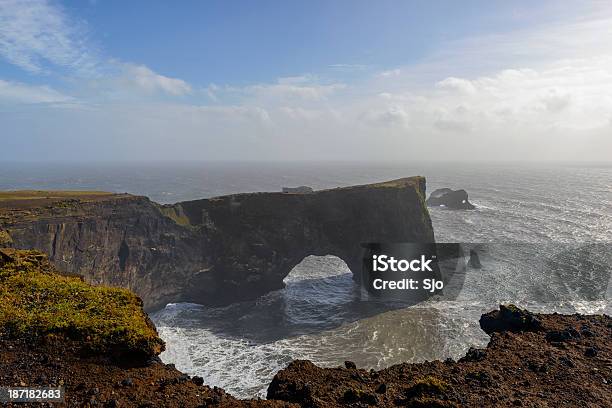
(548, 228)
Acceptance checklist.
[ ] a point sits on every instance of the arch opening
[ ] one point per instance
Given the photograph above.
(317, 267)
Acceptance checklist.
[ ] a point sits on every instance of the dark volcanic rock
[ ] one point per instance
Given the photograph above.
(350, 365)
(509, 318)
(214, 250)
(518, 368)
(474, 261)
(559, 336)
(90, 378)
(455, 199)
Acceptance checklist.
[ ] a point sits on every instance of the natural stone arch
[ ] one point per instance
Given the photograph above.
(259, 238)
(217, 250)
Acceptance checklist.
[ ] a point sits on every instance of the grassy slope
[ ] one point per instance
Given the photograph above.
(37, 302)
(33, 194)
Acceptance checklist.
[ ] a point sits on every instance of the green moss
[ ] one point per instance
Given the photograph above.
(36, 301)
(41, 194)
(512, 308)
(5, 239)
(176, 214)
(428, 385)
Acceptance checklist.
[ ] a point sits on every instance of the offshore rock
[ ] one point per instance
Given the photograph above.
(211, 251)
(454, 199)
(474, 261)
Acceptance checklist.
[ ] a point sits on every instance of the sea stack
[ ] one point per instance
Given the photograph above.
(454, 199)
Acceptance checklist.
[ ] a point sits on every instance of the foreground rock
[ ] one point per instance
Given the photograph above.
(532, 360)
(215, 250)
(38, 303)
(454, 199)
(97, 342)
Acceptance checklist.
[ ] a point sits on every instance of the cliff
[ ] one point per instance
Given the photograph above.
(214, 250)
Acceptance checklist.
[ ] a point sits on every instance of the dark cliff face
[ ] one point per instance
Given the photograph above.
(118, 240)
(215, 250)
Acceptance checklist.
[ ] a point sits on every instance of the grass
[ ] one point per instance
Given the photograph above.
(176, 213)
(37, 302)
(34, 194)
(428, 385)
(5, 239)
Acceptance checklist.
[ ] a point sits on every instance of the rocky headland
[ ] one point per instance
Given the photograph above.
(210, 251)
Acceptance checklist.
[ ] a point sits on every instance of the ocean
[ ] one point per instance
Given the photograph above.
(545, 232)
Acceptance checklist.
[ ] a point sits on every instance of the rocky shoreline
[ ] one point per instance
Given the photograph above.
(533, 360)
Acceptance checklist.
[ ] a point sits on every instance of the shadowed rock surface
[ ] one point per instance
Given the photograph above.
(210, 251)
(454, 199)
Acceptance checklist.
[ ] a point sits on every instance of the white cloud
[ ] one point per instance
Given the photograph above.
(296, 80)
(15, 92)
(211, 92)
(304, 88)
(390, 73)
(149, 81)
(569, 94)
(349, 67)
(34, 33)
(39, 37)
(540, 93)
(456, 84)
(231, 114)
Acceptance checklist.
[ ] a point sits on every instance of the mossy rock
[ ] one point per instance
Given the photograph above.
(37, 302)
(5, 239)
(427, 386)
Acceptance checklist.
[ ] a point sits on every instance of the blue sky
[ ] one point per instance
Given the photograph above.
(215, 80)
(242, 42)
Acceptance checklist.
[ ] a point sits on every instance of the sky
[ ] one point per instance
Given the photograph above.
(106, 80)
